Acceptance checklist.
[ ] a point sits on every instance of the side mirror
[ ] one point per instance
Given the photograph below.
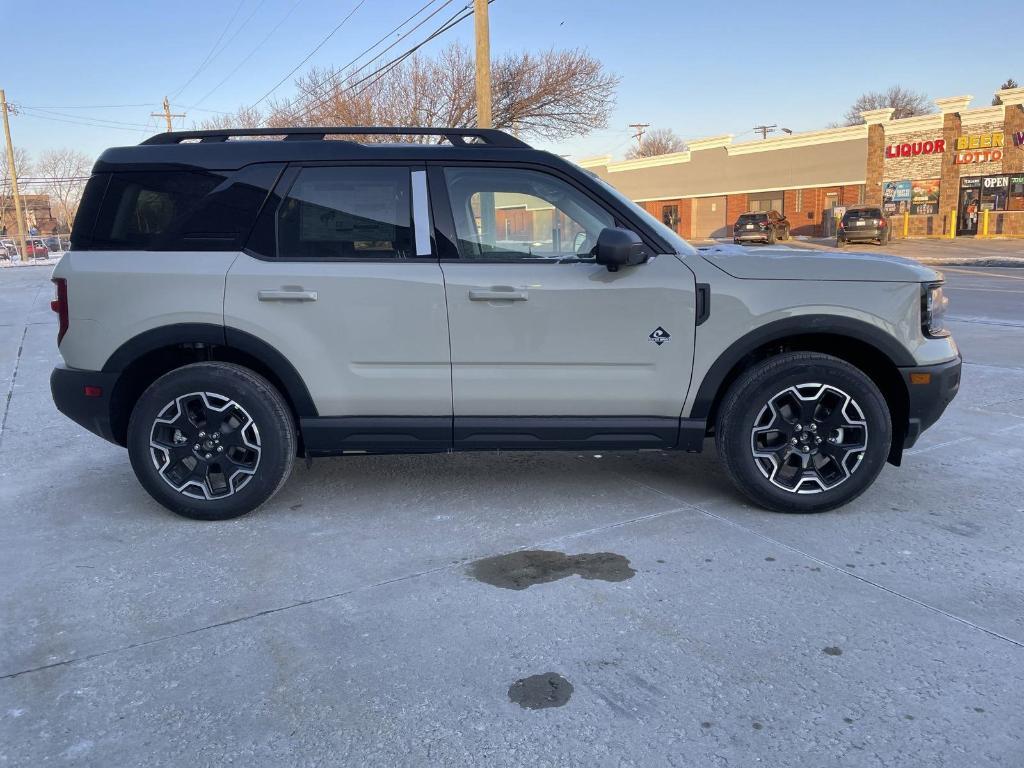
(620, 248)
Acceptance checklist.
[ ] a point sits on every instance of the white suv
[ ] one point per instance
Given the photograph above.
(228, 305)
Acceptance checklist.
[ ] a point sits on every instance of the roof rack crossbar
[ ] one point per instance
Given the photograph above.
(457, 136)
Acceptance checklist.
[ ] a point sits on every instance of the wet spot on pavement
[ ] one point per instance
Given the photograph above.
(520, 570)
(908, 717)
(706, 724)
(770, 559)
(541, 691)
(757, 726)
(832, 650)
(847, 720)
(978, 709)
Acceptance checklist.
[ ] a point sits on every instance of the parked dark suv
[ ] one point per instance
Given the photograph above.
(762, 226)
(862, 223)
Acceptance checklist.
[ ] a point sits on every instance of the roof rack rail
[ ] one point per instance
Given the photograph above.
(456, 136)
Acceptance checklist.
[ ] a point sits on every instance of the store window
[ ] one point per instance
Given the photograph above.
(861, 194)
(798, 202)
(1015, 198)
(994, 193)
(924, 197)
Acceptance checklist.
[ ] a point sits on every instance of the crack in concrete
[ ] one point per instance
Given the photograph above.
(324, 598)
(14, 379)
(825, 563)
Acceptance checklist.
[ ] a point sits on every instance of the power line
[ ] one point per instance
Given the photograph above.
(248, 56)
(333, 76)
(82, 117)
(90, 106)
(206, 59)
(463, 13)
(79, 122)
(310, 54)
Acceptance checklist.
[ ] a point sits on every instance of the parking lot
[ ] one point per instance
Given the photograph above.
(351, 621)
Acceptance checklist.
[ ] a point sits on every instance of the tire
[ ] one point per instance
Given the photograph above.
(842, 459)
(250, 451)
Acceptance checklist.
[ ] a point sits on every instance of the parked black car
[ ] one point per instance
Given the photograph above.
(761, 226)
(863, 223)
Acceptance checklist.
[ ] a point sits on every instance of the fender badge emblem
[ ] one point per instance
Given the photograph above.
(659, 336)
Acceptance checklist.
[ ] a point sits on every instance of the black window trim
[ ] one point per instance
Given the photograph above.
(284, 185)
(444, 220)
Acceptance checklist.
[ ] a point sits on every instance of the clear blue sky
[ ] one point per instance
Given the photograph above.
(701, 69)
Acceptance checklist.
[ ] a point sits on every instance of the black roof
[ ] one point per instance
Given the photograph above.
(229, 149)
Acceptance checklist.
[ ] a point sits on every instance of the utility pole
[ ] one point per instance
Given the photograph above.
(166, 115)
(764, 130)
(639, 135)
(483, 64)
(14, 177)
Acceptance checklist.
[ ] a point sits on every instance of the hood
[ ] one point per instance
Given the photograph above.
(788, 263)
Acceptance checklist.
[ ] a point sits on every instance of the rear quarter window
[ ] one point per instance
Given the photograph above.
(179, 210)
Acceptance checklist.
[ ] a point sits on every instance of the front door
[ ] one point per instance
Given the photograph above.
(342, 284)
(549, 348)
(969, 208)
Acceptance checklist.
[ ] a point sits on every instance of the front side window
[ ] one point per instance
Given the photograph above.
(347, 212)
(511, 214)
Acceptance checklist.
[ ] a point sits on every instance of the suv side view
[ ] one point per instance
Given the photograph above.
(763, 226)
(227, 306)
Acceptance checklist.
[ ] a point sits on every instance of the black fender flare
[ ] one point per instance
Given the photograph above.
(779, 330)
(220, 336)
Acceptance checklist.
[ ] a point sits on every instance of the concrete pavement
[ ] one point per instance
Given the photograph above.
(347, 622)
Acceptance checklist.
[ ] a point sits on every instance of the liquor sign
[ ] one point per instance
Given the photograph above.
(915, 148)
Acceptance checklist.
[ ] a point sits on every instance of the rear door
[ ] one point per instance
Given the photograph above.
(549, 348)
(342, 282)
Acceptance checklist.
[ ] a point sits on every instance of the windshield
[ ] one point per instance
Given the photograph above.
(681, 246)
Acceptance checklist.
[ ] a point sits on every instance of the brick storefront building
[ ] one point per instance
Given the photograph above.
(931, 173)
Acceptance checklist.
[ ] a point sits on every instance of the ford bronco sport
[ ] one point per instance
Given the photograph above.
(232, 302)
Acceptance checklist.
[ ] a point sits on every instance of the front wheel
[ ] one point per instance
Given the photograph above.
(211, 441)
(803, 432)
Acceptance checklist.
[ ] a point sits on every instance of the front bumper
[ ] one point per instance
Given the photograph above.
(68, 387)
(930, 389)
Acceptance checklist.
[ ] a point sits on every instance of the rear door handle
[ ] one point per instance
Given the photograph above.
(287, 294)
(498, 293)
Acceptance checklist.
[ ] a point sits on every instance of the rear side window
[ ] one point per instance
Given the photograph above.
(179, 210)
(347, 212)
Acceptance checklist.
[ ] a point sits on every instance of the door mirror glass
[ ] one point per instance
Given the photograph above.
(620, 248)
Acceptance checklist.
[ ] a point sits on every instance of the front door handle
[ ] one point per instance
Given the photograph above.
(498, 293)
(287, 294)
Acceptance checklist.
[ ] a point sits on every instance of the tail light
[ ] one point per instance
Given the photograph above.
(60, 306)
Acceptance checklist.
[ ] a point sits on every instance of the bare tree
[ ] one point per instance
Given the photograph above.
(660, 141)
(244, 117)
(63, 173)
(905, 103)
(550, 95)
(1010, 83)
(23, 162)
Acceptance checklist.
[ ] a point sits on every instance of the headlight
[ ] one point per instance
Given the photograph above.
(933, 310)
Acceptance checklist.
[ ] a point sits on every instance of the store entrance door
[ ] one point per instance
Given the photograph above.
(969, 207)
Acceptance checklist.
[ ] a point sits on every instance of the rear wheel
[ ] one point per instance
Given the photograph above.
(803, 432)
(211, 441)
